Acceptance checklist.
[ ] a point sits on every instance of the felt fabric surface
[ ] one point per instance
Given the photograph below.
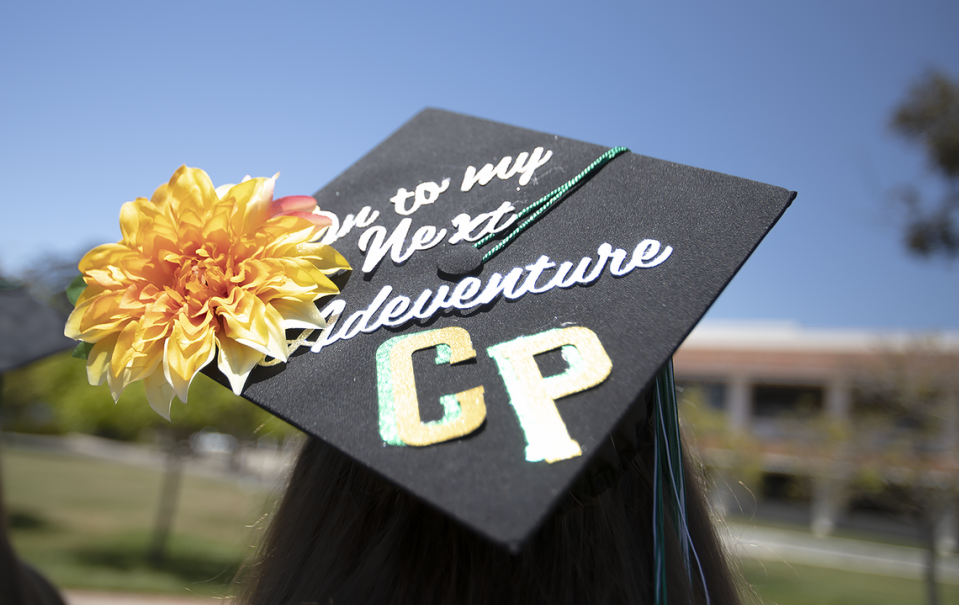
(712, 222)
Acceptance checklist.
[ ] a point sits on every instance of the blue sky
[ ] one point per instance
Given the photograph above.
(102, 101)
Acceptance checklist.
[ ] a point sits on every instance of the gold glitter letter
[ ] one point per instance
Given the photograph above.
(465, 411)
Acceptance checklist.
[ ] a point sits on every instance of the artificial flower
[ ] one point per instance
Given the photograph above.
(201, 272)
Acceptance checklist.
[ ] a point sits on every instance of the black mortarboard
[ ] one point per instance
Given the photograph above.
(583, 308)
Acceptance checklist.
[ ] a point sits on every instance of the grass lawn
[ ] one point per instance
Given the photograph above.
(88, 524)
(784, 584)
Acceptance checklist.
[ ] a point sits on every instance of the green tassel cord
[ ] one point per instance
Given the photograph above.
(540, 206)
(669, 484)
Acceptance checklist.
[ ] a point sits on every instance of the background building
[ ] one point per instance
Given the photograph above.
(830, 427)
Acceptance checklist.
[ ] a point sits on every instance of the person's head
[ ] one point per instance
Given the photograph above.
(343, 535)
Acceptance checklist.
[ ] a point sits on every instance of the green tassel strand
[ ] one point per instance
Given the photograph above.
(540, 206)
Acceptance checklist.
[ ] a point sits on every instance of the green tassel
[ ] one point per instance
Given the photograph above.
(669, 483)
(659, 519)
(544, 203)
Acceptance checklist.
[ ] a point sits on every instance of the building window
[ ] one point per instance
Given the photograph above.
(785, 488)
(774, 401)
(703, 392)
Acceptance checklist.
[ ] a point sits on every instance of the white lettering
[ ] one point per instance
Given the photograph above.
(535, 270)
(417, 310)
(399, 201)
(377, 249)
(466, 225)
(331, 313)
(487, 172)
(525, 165)
(535, 161)
(560, 278)
(375, 243)
(466, 289)
(499, 285)
(645, 251)
(439, 302)
(329, 236)
(363, 219)
(426, 193)
(393, 312)
(426, 237)
(359, 321)
(579, 276)
(467, 292)
(616, 263)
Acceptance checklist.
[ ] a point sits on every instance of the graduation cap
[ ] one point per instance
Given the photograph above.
(486, 387)
(512, 296)
(28, 330)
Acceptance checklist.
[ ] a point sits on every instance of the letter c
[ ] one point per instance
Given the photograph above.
(400, 422)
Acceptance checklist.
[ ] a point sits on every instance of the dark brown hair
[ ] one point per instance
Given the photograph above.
(343, 535)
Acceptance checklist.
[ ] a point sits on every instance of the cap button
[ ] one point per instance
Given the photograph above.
(458, 260)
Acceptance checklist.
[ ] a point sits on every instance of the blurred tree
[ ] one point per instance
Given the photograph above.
(905, 445)
(732, 457)
(929, 117)
(53, 396)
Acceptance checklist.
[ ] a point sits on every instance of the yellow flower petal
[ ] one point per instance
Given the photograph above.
(133, 354)
(236, 361)
(94, 319)
(118, 383)
(135, 218)
(252, 199)
(299, 314)
(253, 323)
(323, 257)
(125, 352)
(184, 356)
(98, 360)
(108, 260)
(191, 190)
(222, 190)
(159, 393)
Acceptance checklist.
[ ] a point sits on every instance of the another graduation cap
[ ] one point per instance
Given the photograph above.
(28, 330)
(486, 390)
(512, 295)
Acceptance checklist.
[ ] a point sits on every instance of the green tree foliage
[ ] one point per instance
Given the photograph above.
(53, 396)
(929, 117)
(904, 446)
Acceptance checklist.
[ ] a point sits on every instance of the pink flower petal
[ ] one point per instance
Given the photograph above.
(317, 219)
(292, 203)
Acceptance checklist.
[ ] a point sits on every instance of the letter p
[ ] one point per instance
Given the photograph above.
(534, 398)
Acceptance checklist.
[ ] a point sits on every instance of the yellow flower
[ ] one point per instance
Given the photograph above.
(199, 270)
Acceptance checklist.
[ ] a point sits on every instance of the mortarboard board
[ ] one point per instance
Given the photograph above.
(485, 388)
(615, 275)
